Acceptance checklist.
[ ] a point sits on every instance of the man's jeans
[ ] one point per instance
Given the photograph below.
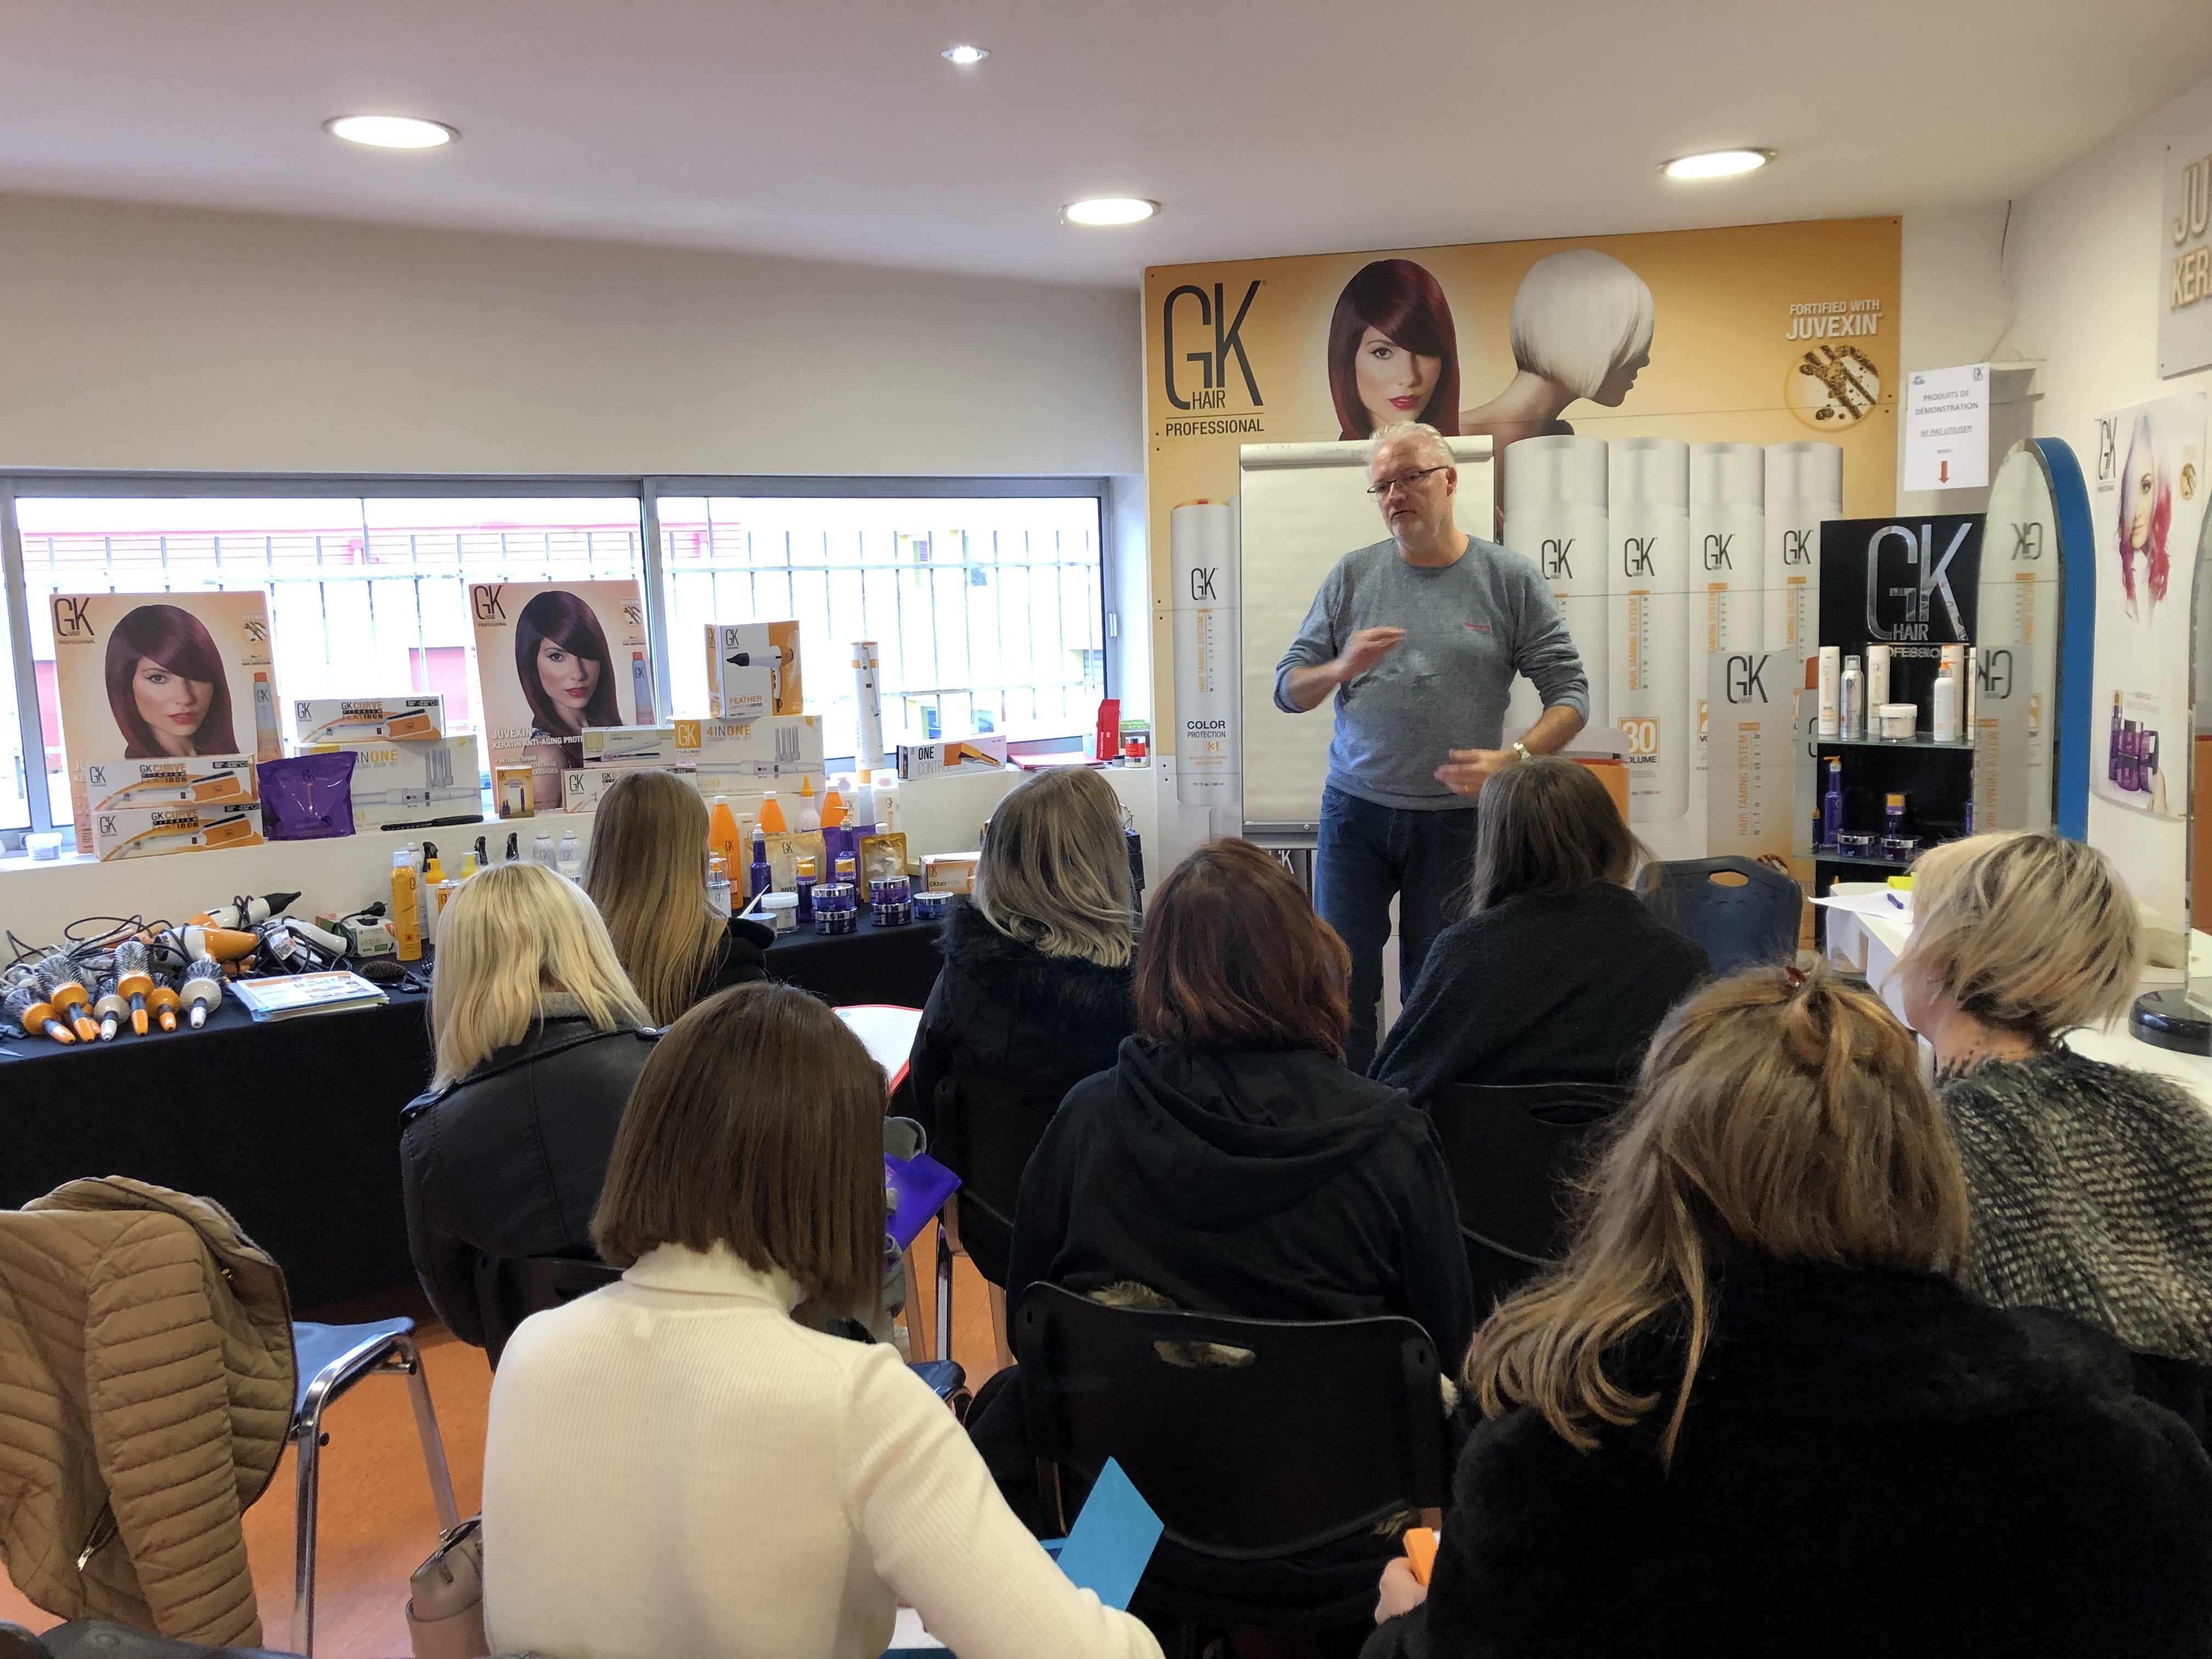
(1367, 854)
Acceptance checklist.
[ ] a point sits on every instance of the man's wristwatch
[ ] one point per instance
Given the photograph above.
(1521, 749)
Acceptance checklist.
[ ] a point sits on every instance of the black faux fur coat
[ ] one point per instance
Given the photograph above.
(1006, 1009)
(1873, 1463)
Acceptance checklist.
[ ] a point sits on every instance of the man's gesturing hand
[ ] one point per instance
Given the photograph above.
(1364, 649)
(1470, 769)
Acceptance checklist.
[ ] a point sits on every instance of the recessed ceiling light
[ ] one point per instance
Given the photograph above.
(964, 56)
(1109, 210)
(390, 131)
(1717, 163)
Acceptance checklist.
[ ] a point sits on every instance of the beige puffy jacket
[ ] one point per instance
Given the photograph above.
(146, 1388)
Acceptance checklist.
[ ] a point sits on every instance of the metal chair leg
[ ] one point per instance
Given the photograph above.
(307, 1444)
(944, 1293)
(409, 1359)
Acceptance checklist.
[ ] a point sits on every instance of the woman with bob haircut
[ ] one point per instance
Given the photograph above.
(761, 1487)
(1753, 1413)
(1556, 972)
(562, 659)
(1229, 1164)
(647, 870)
(166, 686)
(1581, 328)
(1392, 351)
(1035, 990)
(539, 1038)
(2092, 1184)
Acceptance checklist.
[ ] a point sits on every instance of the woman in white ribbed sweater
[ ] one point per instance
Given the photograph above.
(674, 1465)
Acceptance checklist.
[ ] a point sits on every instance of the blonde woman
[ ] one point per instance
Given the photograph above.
(539, 1038)
(647, 870)
(2092, 1184)
(674, 1465)
(1035, 990)
(1753, 1413)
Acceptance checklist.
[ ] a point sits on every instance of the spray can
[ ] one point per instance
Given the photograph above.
(1854, 696)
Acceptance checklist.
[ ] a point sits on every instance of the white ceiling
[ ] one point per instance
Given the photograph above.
(832, 128)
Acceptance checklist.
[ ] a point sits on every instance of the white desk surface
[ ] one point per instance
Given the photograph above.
(1872, 944)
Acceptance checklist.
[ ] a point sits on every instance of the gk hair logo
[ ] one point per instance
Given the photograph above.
(1194, 305)
(72, 618)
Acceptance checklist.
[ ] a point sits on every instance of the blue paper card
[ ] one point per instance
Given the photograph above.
(1112, 1540)
(919, 1187)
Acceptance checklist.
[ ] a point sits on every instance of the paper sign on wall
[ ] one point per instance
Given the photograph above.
(1947, 428)
(2185, 268)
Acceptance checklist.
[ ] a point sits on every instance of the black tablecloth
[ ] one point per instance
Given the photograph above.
(293, 1127)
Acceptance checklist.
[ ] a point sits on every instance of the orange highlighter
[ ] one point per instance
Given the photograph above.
(1421, 1553)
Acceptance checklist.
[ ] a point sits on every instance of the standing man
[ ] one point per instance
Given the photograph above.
(1418, 637)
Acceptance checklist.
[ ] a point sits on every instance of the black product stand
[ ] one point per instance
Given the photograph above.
(1937, 778)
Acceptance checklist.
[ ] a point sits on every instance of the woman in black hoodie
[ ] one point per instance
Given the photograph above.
(1229, 1163)
(1035, 990)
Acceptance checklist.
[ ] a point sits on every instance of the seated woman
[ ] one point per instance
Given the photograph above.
(1035, 990)
(1557, 973)
(1229, 1164)
(1754, 1413)
(2092, 1184)
(647, 870)
(757, 1487)
(539, 1038)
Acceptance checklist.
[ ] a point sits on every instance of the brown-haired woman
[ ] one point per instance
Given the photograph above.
(1229, 1164)
(647, 870)
(1754, 1413)
(2092, 1184)
(754, 1486)
(1555, 972)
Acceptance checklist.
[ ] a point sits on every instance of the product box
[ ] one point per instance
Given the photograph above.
(361, 719)
(949, 872)
(163, 678)
(935, 760)
(785, 847)
(137, 832)
(752, 669)
(630, 745)
(581, 789)
(409, 785)
(553, 658)
(203, 780)
(772, 746)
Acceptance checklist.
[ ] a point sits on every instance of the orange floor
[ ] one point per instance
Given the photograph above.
(377, 1522)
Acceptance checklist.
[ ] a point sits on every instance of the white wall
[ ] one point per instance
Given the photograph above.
(153, 337)
(2086, 267)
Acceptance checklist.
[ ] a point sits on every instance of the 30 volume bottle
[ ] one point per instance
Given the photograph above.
(1648, 620)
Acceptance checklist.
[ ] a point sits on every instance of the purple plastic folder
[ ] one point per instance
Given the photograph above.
(919, 1187)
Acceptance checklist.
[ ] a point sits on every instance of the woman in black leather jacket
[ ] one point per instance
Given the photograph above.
(539, 1038)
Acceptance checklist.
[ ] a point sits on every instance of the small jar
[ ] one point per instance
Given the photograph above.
(931, 906)
(781, 910)
(1857, 844)
(1899, 721)
(890, 898)
(836, 909)
(1900, 847)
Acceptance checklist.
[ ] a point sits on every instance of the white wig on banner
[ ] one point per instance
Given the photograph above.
(1577, 316)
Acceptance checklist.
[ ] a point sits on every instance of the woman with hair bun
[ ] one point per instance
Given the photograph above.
(166, 686)
(1392, 351)
(2092, 1184)
(1753, 1412)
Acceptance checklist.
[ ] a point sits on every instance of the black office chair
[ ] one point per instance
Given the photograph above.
(509, 1289)
(1746, 913)
(1513, 1151)
(1253, 1440)
(986, 1130)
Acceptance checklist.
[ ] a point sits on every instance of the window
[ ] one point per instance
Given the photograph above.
(987, 611)
(985, 600)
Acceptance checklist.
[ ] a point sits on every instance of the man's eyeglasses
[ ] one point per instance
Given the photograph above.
(1406, 482)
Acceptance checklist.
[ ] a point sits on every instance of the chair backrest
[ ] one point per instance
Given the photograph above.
(1251, 1438)
(986, 1130)
(509, 1289)
(1512, 1151)
(1746, 913)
